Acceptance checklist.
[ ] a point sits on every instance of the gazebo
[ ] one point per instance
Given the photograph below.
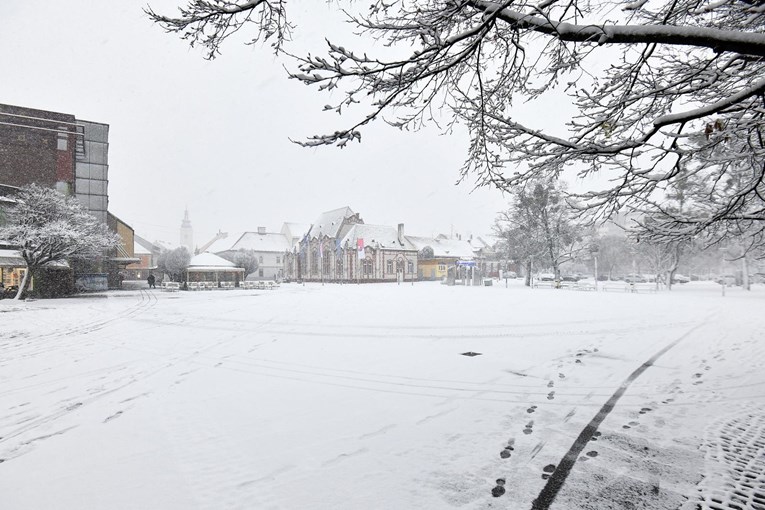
(208, 267)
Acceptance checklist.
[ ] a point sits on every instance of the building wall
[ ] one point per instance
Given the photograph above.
(270, 267)
(58, 151)
(141, 270)
(126, 234)
(434, 269)
(92, 169)
(37, 146)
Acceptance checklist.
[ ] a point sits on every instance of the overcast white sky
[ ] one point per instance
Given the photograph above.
(214, 135)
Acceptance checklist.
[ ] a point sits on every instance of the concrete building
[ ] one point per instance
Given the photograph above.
(270, 248)
(386, 254)
(56, 150)
(438, 255)
(317, 255)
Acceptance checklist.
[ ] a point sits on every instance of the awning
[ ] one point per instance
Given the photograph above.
(11, 258)
(125, 260)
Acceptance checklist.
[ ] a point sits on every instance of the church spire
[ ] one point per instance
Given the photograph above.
(187, 233)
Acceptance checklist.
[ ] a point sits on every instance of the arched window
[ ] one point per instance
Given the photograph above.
(315, 261)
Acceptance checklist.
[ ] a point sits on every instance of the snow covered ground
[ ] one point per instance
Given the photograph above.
(358, 397)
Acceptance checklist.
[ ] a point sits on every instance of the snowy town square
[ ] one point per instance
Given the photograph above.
(382, 255)
(389, 396)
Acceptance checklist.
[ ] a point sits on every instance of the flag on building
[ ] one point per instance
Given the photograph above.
(360, 248)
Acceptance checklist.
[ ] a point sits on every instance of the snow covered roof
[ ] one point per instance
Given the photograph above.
(483, 243)
(295, 230)
(443, 248)
(381, 235)
(225, 242)
(265, 242)
(330, 222)
(138, 249)
(11, 258)
(209, 260)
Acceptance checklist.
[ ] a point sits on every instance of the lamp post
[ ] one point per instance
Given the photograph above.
(723, 280)
(594, 252)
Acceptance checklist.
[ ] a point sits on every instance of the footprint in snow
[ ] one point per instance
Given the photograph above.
(499, 489)
(508, 449)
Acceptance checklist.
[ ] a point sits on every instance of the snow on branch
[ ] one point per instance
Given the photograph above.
(661, 96)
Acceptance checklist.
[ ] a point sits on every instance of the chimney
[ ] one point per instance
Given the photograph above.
(401, 233)
(261, 230)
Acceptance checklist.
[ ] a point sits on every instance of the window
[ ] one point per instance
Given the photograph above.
(442, 267)
(260, 259)
(411, 267)
(62, 142)
(390, 266)
(278, 259)
(260, 272)
(314, 262)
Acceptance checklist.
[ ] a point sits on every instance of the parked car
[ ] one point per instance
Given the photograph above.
(546, 277)
(569, 278)
(635, 278)
(680, 278)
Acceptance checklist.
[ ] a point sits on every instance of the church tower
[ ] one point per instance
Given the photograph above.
(187, 233)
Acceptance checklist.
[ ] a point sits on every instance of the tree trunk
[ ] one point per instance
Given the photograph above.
(528, 273)
(23, 285)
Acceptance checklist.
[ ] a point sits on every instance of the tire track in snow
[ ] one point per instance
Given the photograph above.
(563, 469)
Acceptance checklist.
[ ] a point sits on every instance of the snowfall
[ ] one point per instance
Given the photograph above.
(366, 397)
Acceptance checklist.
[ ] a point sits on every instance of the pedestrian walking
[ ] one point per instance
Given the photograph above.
(151, 280)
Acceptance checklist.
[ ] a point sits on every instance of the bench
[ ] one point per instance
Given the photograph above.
(171, 286)
(195, 286)
(643, 287)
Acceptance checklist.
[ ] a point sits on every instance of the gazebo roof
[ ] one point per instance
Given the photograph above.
(209, 261)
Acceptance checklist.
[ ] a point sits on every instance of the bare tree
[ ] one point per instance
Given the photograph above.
(614, 254)
(174, 262)
(539, 226)
(246, 259)
(49, 227)
(681, 94)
